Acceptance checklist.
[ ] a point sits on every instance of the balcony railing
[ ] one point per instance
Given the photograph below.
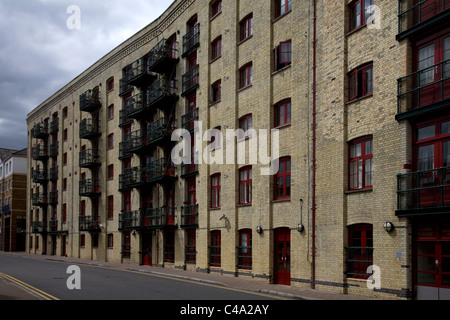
(124, 87)
(39, 199)
(89, 188)
(191, 40)
(163, 56)
(189, 169)
(39, 227)
(159, 130)
(135, 105)
(54, 149)
(131, 220)
(423, 90)
(53, 226)
(190, 80)
(138, 75)
(89, 223)
(40, 131)
(40, 152)
(135, 142)
(123, 150)
(88, 130)
(54, 125)
(162, 93)
(244, 258)
(90, 100)
(39, 176)
(124, 119)
(188, 120)
(159, 170)
(413, 14)
(424, 192)
(53, 198)
(189, 216)
(133, 177)
(88, 159)
(54, 173)
(158, 218)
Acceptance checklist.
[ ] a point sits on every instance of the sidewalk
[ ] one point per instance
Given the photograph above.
(240, 283)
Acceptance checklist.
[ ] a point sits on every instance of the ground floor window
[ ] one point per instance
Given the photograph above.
(214, 249)
(359, 250)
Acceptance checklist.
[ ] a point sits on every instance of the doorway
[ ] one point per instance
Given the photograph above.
(282, 256)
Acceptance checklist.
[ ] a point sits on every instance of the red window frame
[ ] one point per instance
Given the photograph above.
(282, 7)
(215, 248)
(246, 75)
(111, 141)
(111, 112)
(358, 14)
(111, 172)
(245, 185)
(362, 242)
(83, 208)
(110, 84)
(282, 180)
(360, 82)
(111, 207)
(215, 191)
(216, 8)
(246, 123)
(245, 251)
(216, 91)
(64, 213)
(363, 162)
(246, 27)
(216, 48)
(282, 113)
(283, 54)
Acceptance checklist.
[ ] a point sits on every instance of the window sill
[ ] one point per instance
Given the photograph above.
(215, 59)
(215, 208)
(359, 99)
(359, 190)
(244, 40)
(244, 205)
(281, 16)
(356, 30)
(282, 126)
(246, 87)
(216, 15)
(214, 102)
(282, 69)
(281, 200)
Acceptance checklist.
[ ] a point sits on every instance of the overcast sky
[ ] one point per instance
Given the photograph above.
(39, 53)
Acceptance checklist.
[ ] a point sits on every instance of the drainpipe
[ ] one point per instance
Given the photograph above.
(313, 207)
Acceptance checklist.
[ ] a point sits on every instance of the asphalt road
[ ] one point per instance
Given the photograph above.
(50, 278)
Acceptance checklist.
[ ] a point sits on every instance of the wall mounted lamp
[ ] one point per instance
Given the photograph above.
(388, 226)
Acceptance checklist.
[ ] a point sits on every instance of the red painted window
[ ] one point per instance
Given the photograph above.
(283, 55)
(216, 48)
(246, 124)
(360, 250)
(282, 113)
(282, 7)
(245, 75)
(216, 7)
(360, 12)
(360, 164)
(83, 208)
(110, 240)
(111, 141)
(246, 27)
(110, 84)
(215, 252)
(360, 81)
(245, 185)
(111, 112)
(215, 191)
(110, 172)
(245, 249)
(64, 213)
(216, 91)
(110, 207)
(282, 180)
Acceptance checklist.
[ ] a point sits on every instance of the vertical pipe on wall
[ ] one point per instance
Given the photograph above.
(313, 185)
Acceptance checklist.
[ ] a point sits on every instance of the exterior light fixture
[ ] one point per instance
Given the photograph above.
(259, 229)
(300, 227)
(388, 226)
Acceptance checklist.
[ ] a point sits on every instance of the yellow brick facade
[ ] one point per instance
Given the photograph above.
(338, 121)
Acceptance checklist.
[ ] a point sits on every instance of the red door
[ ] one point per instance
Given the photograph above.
(215, 249)
(190, 254)
(282, 256)
(147, 249)
(191, 201)
(170, 205)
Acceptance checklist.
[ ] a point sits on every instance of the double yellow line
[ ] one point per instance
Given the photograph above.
(28, 287)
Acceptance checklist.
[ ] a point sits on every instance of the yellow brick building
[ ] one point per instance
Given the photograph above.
(329, 77)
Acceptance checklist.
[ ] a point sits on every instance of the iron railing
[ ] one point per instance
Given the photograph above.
(358, 260)
(191, 39)
(189, 216)
(244, 258)
(90, 100)
(162, 52)
(412, 13)
(190, 80)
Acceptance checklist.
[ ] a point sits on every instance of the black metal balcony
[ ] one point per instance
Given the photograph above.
(130, 220)
(124, 119)
(189, 169)
(40, 152)
(159, 133)
(124, 184)
(159, 218)
(190, 81)
(54, 149)
(189, 216)
(89, 223)
(123, 153)
(54, 173)
(423, 91)
(88, 159)
(189, 119)
(53, 198)
(132, 178)
(137, 106)
(39, 199)
(39, 227)
(39, 176)
(163, 57)
(90, 101)
(138, 74)
(423, 192)
(415, 16)
(88, 130)
(40, 131)
(124, 87)
(160, 171)
(54, 125)
(162, 94)
(52, 226)
(191, 40)
(136, 142)
(89, 188)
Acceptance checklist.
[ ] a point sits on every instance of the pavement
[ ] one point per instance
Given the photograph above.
(10, 291)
